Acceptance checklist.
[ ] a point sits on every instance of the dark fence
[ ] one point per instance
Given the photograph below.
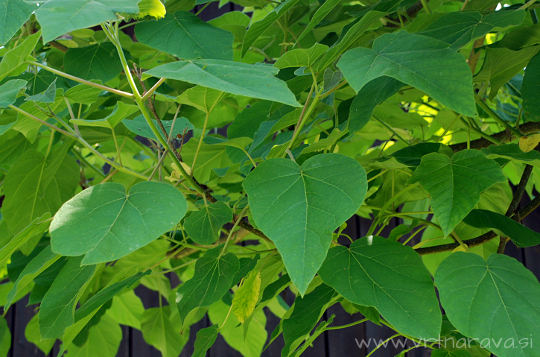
(337, 343)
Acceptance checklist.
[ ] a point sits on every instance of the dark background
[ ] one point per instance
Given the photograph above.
(337, 343)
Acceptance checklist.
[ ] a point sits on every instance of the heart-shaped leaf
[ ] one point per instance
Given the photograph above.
(495, 302)
(298, 207)
(389, 276)
(203, 226)
(105, 223)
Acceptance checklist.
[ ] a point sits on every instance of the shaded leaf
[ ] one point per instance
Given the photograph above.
(203, 226)
(530, 89)
(9, 91)
(99, 62)
(13, 14)
(204, 340)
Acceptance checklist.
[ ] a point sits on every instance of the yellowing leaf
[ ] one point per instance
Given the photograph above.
(152, 8)
(529, 143)
(246, 296)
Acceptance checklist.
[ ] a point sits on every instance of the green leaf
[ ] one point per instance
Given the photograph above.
(186, 36)
(161, 327)
(246, 296)
(420, 61)
(530, 89)
(204, 340)
(139, 126)
(318, 16)
(105, 223)
(258, 28)
(103, 340)
(371, 95)
(121, 111)
(390, 277)
(250, 80)
(36, 227)
(301, 56)
(58, 17)
(213, 277)
(493, 301)
(289, 204)
(5, 337)
(127, 309)
(58, 305)
(99, 62)
(47, 96)
(459, 28)
(32, 334)
(519, 234)
(9, 91)
(203, 226)
(13, 61)
(455, 183)
(154, 8)
(306, 313)
(13, 14)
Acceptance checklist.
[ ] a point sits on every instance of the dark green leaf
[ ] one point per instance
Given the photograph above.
(47, 96)
(99, 62)
(205, 339)
(203, 226)
(13, 14)
(318, 16)
(9, 91)
(531, 88)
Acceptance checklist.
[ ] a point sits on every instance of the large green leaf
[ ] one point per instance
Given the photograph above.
(13, 14)
(459, 28)
(390, 277)
(420, 61)
(103, 340)
(205, 339)
(299, 207)
(9, 91)
(13, 61)
(531, 88)
(318, 16)
(105, 223)
(494, 301)
(519, 234)
(35, 228)
(203, 226)
(161, 327)
(250, 80)
(455, 183)
(58, 305)
(58, 17)
(93, 62)
(213, 277)
(186, 36)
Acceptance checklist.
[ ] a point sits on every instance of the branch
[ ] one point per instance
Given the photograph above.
(503, 136)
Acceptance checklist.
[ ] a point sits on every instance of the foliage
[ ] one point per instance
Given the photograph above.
(138, 142)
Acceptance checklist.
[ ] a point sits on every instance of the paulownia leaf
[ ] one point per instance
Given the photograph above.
(204, 340)
(105, 223)
(390, 277)
(301, 56)
(138, 126)
(161, 328)
(213, 278)
(455, 183)
(9, 91)
(299, 207)
(530, 89)
(99, 62)
(36, 227)
(203, 226)
(250, 80)
(13, 61)
(103, 340)
(318, 16)
(154, 8)
(13, 14)
(493, 301)
(58, 305)
(58, 17)
(246, 296)
(121, 111)
(519, 234)
(186, 36)
(420, 61)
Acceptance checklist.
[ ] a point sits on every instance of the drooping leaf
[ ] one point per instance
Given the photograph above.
(13, 14)
(318, 16)
(518, 233)
(459, 28)
(203, 226)
(291, 205)
(127, 309)
(213, 278)
(493, 301)
(139, 126)
(301, 57)
(103, 339)
(5, 337)
(246, 297)
(105, 223)
(58, 305)
(390, 277)
(9, 91)
(79, 14)
(420, 61)
(186, 36)
(531, 88)
(455, 183)
(204, 340)
(13, 61)
(161, 327)
(99, 62)
(250, 80)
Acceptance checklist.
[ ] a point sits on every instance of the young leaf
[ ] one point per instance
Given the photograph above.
(204, 340)
(247, 296)
(455, 183)
(154, 8)
(390, 277)
(9, 91)
(13, 14)
(105, 223)
(250, 80)
(519, 234)
(492, 301)
(186, 36)
(213, 278)
(420, 61)
(301, 57)
(290, 204)
(203, 226)
(58, 305)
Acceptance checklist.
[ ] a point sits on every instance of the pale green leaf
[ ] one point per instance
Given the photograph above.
(290, 205)
(420, 61)
(390, 277)
(139, 126)
(161, 328)
(127, 309)
(494, 301)
(301, 56)
(5, 337)
(104, 222)
(32, 334)
(120, 112)
(203, 226)
(13, 61)
(246, 296)
(103, 340)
